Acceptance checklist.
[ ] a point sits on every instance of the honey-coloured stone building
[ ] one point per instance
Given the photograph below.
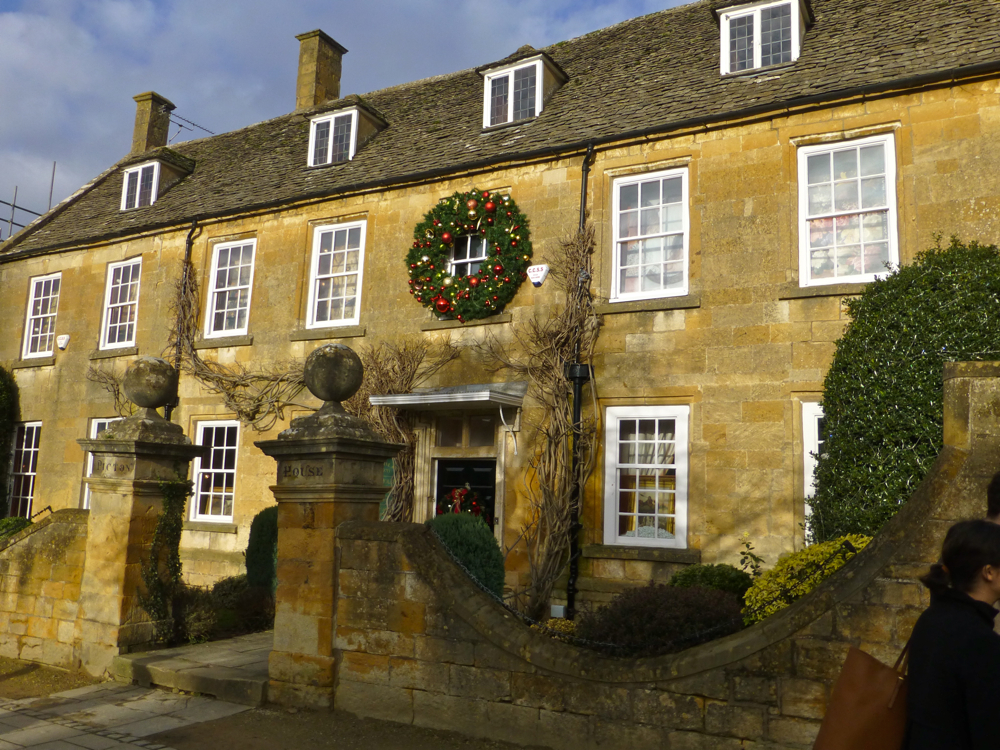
(745, 168)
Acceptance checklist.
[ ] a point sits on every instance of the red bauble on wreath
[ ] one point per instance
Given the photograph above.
(479, 245)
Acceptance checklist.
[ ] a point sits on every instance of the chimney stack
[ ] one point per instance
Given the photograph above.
(152, 122)
(319, 69)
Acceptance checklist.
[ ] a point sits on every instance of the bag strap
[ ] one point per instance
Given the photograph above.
(900, 668)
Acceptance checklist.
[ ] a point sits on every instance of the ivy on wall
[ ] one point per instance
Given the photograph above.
(9, 414)
(883, 395)
(161, 573)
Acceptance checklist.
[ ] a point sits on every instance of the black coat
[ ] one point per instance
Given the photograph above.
(954, 682)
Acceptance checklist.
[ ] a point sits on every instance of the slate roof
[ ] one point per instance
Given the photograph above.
(650, 74)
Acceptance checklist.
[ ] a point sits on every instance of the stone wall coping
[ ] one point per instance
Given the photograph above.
(320, 448)
(185, 451)
(953, 370)
(71, 516)
(508, 632)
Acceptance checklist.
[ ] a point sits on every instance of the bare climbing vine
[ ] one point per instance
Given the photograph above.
(391, 369)
(110, 378)
(540, 351)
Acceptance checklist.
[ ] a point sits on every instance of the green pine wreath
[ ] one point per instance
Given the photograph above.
(477, 213)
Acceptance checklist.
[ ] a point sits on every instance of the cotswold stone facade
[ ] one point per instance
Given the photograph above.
(715, 337)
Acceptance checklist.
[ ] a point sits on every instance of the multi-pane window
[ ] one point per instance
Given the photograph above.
(140, 186)
(121, 304)
(215, 475)
(97, 428)
(335, 279)
(229, 295)
(646, 449)
(40, 328)
(467, 255)
(759, 35)
(651, 236)
(813, 437)
(847, 209)
(23, 468)
(331, 139)
(513, 94)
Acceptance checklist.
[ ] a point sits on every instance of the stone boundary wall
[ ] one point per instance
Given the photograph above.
(40, 572)
(416, 642)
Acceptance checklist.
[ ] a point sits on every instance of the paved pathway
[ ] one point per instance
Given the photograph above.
(103, 717)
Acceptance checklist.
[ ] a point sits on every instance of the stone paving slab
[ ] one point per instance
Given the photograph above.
(233, 670)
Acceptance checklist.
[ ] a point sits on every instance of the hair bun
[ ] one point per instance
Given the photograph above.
(937, 579)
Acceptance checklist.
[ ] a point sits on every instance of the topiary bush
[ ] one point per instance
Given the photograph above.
(658, 619)
(721, 577)
(797, 574)
(9, 414)
(471, 541)
(262, 550)
(882, 397)
(10, 526)
(241, 608)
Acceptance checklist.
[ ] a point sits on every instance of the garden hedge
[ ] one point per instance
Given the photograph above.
(470, 540)
(883, 394)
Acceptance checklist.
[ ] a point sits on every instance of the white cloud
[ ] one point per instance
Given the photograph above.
(69, 68)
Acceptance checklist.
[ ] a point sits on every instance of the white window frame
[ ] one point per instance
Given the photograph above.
(314, 280)
(196, 497)
(32, 472)
(681, 416)
(137, 170)
(97, 426)
(812, 413)
(107, 305)
(508, 72)
(36, 284)
(214, 291)
(754, 9)
(330, 118)
(888, 142)
(468, 240)
(617, 295)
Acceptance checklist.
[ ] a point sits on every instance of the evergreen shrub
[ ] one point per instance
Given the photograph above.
(470, 540)
(262, 550)
(797, 574)
(10, 526)
(8, 418)
(658, 619)
(882, 397)
(721, 577)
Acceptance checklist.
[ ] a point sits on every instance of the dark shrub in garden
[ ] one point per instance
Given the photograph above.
(721, 577)
(882, 397)
(658, 619)
(194, 614)
(8, 418)
(10, 526)
(241, 608)
(262, 550)
(471, 541)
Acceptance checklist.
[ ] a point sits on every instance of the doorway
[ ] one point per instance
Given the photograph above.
(479, 474)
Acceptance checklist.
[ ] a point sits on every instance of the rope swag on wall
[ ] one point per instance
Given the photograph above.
(469, 255)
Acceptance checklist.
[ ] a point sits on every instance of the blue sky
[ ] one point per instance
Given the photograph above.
(69, 68)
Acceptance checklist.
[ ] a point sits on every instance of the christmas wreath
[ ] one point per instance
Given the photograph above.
(469, 255)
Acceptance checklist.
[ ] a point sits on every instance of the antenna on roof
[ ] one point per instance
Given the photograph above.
(10, 221)
(52, 184)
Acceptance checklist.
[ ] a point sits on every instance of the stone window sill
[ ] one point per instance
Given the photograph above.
(216, 528)
(223, 341)
(438, 325)
(129, 351)
(34, 362)
(826, 290)
(687, 302)
(657, 554)
(317, 334)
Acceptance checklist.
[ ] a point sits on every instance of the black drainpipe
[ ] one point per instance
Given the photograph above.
(192, 235)
(578, 374)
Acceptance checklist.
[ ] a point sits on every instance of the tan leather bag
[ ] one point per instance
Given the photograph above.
(867, 708)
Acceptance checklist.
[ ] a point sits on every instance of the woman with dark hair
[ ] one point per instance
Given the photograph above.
(954, 673)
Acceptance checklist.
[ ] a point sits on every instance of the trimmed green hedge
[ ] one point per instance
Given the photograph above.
(8, 418)
(721, 577)
(883, 394)
(471, 541)
(262, 550)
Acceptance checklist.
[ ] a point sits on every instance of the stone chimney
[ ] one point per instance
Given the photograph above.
(319, 69)
(152, 121)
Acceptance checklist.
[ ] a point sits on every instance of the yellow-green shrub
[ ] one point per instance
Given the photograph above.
(797, 574)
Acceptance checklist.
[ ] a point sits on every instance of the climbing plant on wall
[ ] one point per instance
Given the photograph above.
(883, 395)
(469, 255)
(8, 418)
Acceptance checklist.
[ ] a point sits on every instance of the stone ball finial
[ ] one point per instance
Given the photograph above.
(333, 373)
(150, 382)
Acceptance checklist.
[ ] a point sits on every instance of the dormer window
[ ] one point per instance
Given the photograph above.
(140, 185)
(518, 91)
(760, 35)
(333, 138)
